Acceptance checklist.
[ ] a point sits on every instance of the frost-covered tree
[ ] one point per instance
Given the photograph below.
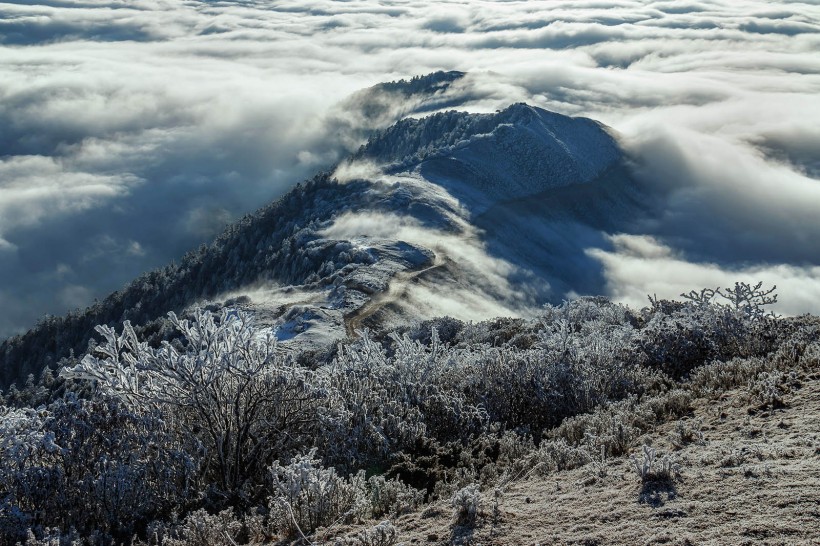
(227, 386)
(222, 433)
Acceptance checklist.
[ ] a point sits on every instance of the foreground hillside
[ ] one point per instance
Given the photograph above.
(747, 472)
(220, 435)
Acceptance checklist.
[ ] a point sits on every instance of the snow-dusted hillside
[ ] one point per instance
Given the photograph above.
(467, 215)
(257, 409)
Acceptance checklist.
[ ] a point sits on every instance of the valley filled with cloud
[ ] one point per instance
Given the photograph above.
(133, 131)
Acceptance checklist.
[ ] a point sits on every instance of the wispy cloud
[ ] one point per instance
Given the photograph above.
(640, 266)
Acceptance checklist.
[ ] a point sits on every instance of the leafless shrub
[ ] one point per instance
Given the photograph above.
(718, 377)
(203, 529)
(555, 455)
(770, 388)
(686, 432)
(218, 418)
(307, 496)
(745, 299)
(612, 427)
(739, 456)
(391, 497)
(383, 534)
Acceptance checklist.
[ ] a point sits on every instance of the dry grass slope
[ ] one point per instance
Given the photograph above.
(748, 473)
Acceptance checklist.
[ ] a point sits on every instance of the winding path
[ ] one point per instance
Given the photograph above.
(395, 289)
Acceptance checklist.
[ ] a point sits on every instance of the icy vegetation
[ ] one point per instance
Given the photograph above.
(219, 434)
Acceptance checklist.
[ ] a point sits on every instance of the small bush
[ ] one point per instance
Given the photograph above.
(466, 503)
(203, 529)
(383, 534)
(391, 497)
(651, 468)
(307, 496)
(770, 388)
(556, 455)
(687, 432)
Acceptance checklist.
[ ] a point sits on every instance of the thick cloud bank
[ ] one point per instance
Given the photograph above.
(132, 131)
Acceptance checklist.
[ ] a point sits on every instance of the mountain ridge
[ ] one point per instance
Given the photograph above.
(315, 245)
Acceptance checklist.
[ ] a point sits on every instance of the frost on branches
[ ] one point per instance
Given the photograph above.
(222, 425)
(227, 386)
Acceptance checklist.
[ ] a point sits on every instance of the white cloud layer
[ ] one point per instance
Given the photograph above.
(148, 124)
(640, 266)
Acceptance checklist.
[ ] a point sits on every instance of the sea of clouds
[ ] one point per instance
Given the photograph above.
(133, 130)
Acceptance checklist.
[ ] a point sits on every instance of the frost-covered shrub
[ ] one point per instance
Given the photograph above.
(584, 344)
(206, 419)
(556, 455)
(744, 299)
(651, 467)
(26, 447)
(719, 377)
(393, 402)
(391, 497)
(686, 432)
(514, 447)
(799, 342)
(203, 529)
(226, 388)
(447, 329)
(615, 427)
(678, 338)
(305, 496)
(669, 405)
(382, 534)
(770, 388)
(95, 466)
(579, 360)
(466, 503)
(52, 537)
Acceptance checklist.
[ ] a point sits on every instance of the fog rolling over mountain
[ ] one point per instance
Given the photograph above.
(468, 215)
(471, 215)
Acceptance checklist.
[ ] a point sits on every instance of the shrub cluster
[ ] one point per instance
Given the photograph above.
(221, 436)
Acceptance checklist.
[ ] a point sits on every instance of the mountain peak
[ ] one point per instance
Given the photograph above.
(521, 150)
(465, 206)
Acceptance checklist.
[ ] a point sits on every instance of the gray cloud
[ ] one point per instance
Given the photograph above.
(131, 131)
